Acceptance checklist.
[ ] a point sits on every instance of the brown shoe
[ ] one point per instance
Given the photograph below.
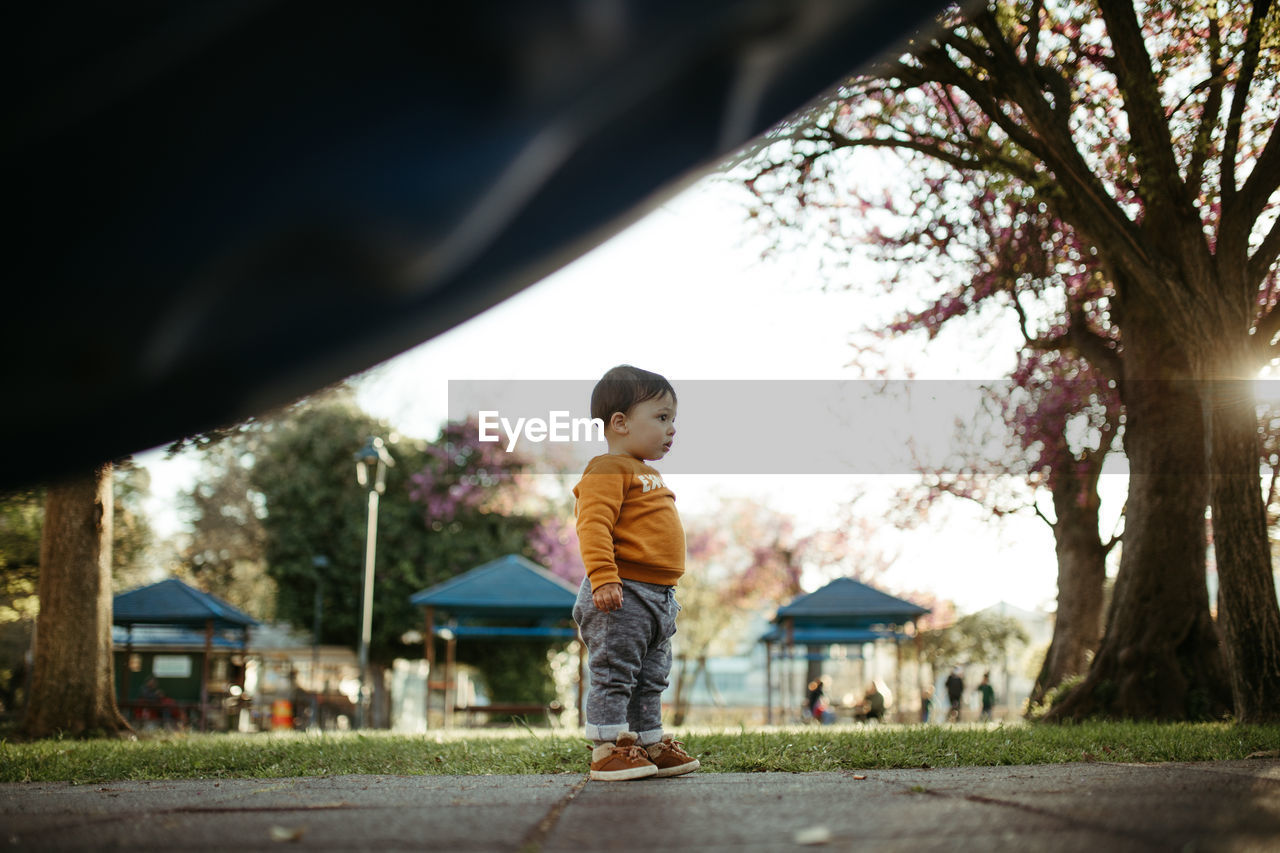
(669, 757)
(616, 762)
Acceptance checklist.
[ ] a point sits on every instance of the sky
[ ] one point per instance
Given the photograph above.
(685, 292)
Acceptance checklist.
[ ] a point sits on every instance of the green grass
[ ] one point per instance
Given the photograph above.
(775, 750)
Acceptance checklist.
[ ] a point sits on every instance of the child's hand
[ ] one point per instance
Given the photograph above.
(608, 597)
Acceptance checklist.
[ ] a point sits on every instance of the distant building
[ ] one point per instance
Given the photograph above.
(1013, 676)
(245, 684)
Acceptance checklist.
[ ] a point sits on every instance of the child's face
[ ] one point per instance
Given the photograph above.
(648, 431)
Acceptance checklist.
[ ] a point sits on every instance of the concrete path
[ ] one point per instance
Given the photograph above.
(1227, 806)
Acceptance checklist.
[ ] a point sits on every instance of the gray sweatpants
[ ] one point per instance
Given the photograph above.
(629, 658)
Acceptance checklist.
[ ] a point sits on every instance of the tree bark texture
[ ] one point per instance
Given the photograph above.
(1209, 292)
(1247, 608)
(1082, 557)
(73, 686)
(1160, 658)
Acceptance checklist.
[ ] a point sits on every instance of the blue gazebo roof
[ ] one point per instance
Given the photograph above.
(847, 603)
(172, 602)
(509, 586)
(845, 612)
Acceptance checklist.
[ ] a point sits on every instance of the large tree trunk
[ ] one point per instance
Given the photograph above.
(1082, 557)
(1160, 658)
(1247, 607)
(73, 685)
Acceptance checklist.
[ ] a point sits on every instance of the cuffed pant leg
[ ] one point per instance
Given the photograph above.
(617, 643)
(644, 711)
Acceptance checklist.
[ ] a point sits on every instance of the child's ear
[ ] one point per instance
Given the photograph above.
(618, 422)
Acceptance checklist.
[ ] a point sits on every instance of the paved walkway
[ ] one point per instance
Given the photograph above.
(1228, 806)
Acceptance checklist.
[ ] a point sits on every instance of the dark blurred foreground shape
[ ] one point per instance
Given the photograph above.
(217, 207)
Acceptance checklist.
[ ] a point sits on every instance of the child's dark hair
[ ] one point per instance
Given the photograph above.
(624, 386)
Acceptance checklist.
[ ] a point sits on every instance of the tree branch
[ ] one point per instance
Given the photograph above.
(1242, 207)
(1052, 524)
(1264, 333)
(934, 148)
(1078, 189)
(1106, 435)
(1098, 351)
(1033, 29)
(1271, 487)
(941, 68)
(1148, 127)
(1094, 348)
(1239, 98)
(1022, 317)
(1212, 107)
(980, 58)
(1029, 99)
(1115, 540)
(957, 489)
(1262, 183)
(1264, 257)
(1117, 535)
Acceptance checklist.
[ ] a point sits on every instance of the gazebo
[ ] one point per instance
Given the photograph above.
(510, 588)
(844, 612)
(179, 613)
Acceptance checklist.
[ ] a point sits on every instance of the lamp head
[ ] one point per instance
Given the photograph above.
(373, 456)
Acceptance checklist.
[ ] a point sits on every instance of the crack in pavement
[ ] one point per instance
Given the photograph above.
(1093, 826)
(1068, 820)
(533, 840)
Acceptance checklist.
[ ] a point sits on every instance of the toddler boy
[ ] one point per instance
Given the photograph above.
(632, 544)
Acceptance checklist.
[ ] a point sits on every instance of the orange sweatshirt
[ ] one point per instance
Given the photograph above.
(628, 526)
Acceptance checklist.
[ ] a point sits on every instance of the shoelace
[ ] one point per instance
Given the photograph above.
(635, 753)
(676, 745)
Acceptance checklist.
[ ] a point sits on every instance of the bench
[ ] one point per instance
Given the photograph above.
(554, 709)
(160, 711)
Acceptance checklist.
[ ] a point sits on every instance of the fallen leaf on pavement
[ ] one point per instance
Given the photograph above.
(813, 835)
(287, 833)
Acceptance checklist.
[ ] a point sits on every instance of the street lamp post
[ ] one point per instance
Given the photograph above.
(319, 563)
(372, 462)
